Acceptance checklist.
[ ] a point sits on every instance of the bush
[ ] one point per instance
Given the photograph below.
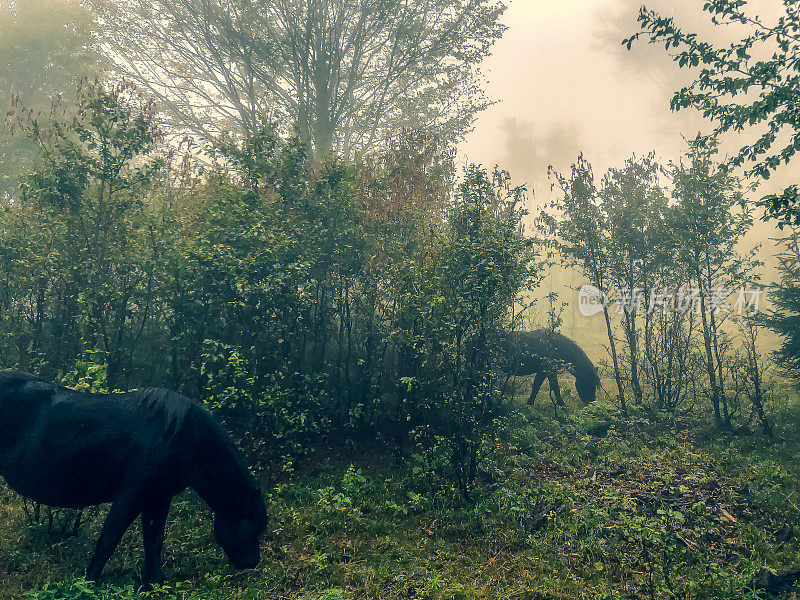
(90, 373)
(451, 386)
(276, 418)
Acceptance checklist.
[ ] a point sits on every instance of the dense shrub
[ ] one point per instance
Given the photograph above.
(296, 299)
(276, 417)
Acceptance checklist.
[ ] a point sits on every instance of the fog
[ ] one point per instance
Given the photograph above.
(563, 81)
(565, 84)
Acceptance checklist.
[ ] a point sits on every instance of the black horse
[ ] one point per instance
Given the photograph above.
(546, 353)
(136, 450)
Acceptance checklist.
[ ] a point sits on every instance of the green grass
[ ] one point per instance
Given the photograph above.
(587, 506)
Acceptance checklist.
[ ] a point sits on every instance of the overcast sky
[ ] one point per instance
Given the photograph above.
(565, 84)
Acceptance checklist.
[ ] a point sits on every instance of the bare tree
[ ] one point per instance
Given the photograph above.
(345, 72)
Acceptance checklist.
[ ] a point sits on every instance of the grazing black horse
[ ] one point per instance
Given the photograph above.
(135, 450)
(546, 353)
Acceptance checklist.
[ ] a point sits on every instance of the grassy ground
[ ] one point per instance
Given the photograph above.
(589, 506)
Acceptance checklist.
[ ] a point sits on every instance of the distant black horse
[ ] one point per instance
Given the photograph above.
(546, 353)
(136, 450)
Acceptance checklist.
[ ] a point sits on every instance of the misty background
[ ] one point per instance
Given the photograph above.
(563, 85)
(566, 85)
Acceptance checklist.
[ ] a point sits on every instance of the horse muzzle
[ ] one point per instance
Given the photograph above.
(246, 561)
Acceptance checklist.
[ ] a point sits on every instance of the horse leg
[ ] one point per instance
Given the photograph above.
(554, 387)
(154, 519)
(537, 384)
(123, 512)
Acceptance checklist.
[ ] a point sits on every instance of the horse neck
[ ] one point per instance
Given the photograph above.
(582, 367)
(220, 477)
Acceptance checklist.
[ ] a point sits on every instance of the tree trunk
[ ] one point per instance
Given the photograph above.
(615, 361)
(710, 362)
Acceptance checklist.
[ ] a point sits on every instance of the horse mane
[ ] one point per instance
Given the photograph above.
(224, 469)
(171, 408)
(174, 411)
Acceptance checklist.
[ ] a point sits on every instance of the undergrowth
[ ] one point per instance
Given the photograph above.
(586, 505)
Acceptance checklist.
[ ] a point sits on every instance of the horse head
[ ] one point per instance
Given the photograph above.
(240, 536)
(587, 385)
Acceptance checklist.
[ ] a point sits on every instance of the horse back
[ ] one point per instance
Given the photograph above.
(66, 448)
(544, 350)
(534, 352)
